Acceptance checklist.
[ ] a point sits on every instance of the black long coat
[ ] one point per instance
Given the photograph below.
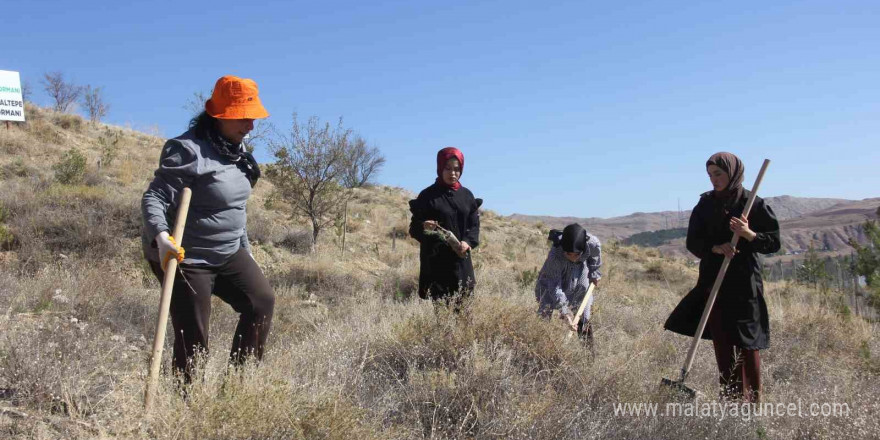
(741, 297)
(443, 273)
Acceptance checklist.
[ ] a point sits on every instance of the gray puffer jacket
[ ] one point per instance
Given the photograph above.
(216, 225)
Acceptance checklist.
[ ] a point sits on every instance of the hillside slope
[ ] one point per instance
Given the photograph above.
(352, 355)
(828, 223)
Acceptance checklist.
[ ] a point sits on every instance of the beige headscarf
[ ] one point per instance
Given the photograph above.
(734, 169)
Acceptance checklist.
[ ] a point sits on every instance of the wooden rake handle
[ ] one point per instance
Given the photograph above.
(165, 302)
(692, 353)
(581, 309)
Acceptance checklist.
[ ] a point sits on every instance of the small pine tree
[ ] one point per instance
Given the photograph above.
(812, 270)
(867, 261)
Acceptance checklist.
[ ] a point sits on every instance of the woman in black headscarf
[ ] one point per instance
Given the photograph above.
(571, 265)
(446, 272)
(738, 324)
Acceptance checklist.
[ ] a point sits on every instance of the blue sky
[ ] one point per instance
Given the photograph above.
(561, 108)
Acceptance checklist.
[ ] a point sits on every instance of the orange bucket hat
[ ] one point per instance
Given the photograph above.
(235, 98)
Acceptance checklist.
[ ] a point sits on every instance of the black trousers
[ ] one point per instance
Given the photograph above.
(240, 283)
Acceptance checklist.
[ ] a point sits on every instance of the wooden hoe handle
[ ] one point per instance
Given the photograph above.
(165, 302)
(580, 312)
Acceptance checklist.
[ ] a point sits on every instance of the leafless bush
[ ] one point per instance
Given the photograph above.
(25, 90)
(258, 136)
(310, 161)
(195, 104)
(63, 93)
(93, 101)
(362, 164)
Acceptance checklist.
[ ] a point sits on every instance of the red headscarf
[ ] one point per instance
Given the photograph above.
(443, 156)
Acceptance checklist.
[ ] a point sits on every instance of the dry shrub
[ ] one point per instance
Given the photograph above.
(13, 142)
(71, 168)
(399, 231)
(443, 341)
(397, 284)
(68, 121)
(664, 270)
(296, 241)
(125, 172)
(45, 132)
(251, 405)
(353, 224)
(323, 280)
(16, 168)
(8, 242)
(296, 317)
(262, 229)
(50, 364)
(82, 220)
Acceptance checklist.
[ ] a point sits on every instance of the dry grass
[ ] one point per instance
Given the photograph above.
(352, 353)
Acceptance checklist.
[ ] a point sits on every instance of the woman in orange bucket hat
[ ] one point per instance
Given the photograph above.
(211, 160)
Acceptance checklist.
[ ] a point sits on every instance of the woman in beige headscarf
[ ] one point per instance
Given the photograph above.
(738, 324)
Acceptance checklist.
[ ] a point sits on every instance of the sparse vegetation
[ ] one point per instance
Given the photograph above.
(71, 168)
(352, 354)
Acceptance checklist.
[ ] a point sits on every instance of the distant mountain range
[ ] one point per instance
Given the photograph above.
(827, 223)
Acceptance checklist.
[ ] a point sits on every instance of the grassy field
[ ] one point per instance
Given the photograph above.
(352, 354)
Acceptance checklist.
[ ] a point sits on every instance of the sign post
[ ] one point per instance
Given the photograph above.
(11, 102)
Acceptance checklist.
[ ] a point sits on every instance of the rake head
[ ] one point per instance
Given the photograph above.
(679, 388)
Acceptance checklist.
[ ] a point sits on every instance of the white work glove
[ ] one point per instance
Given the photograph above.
(168, 248)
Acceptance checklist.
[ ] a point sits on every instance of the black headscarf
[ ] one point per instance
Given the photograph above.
(574, 239)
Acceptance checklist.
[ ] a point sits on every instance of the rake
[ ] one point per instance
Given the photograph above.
(678, 385)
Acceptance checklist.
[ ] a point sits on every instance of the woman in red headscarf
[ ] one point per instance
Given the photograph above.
(447, 272)
(738, 325)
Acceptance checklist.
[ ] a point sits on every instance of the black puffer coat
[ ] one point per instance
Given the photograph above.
(741, 298)
(443, 273)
